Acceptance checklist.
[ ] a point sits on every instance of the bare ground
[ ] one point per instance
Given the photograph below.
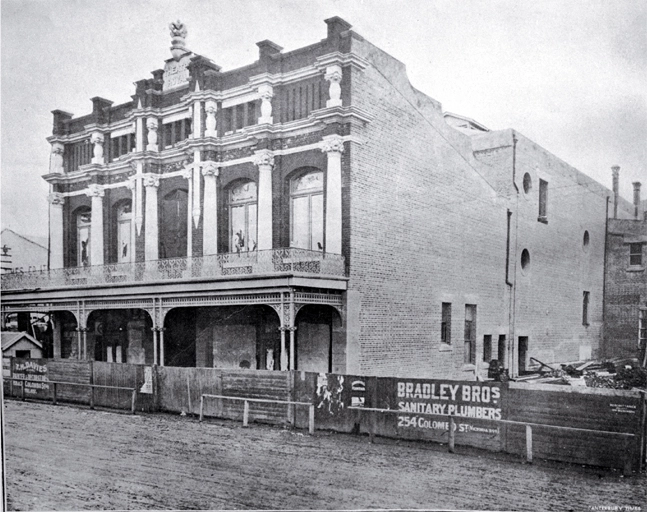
(67, 458)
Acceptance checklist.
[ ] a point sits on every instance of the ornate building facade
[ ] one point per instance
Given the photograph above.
(311, 211)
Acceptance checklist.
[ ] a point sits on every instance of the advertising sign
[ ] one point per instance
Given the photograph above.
(35, 370)
(426, 405)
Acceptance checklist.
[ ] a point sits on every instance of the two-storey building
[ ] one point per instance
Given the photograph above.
(311, 211)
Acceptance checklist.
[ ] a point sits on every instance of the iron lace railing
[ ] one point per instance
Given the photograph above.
(274, 261)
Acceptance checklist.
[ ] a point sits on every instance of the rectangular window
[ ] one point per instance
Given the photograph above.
(635, 254)
(469, 353)
(585, 308)
(446, 323)
(501, 348)
(487, 348)
(543, 201)
(642, 333)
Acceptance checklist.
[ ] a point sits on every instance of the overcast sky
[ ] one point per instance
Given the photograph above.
(569, 75)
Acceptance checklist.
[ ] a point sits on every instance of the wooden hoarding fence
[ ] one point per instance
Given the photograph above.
(246, 401)
(57, 384)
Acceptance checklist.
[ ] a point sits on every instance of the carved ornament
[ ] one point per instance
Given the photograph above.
(264, 157)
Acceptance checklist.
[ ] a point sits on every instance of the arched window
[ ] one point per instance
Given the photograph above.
(83, 221)
(307, 211)
(124, 226)
(173, 226)
(243, 234)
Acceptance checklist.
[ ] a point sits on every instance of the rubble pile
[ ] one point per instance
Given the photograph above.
(615, 373)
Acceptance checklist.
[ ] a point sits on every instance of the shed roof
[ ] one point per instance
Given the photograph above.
(10, 338)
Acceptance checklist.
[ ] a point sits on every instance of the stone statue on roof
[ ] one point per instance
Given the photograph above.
(178, 44)
(178, 29)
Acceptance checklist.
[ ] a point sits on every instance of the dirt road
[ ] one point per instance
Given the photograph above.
(66, 458)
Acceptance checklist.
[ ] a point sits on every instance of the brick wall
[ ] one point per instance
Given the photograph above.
(626, 288)
(428, 225)
(549, 292)
(425, 229)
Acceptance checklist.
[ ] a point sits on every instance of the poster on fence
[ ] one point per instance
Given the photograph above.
(35, 372)
(411, 408)
(424, 407)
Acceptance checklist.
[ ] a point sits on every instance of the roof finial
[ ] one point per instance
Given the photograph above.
(178, 35)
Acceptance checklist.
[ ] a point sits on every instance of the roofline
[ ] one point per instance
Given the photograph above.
(23, 237)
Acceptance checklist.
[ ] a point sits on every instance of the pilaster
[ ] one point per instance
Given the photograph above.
(264, 159)
(333, 146)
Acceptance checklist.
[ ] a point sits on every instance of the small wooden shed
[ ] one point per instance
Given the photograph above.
(20, 344)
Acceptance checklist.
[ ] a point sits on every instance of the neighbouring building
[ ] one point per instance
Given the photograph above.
(312, 211)
(22, 254)
(626, 281)
(20, 344)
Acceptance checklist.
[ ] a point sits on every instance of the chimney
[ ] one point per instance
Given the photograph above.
(336, 26)
(266, 49)
(637, 205)
(616, 174)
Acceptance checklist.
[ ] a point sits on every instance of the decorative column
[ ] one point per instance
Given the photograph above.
(151, 124)
(97, 140)
(151, 182)
(333, 75)
(56, 334)
(264, 159)
(210, 225)
(197, 120)
(333, 146)
(139, 196)
(56, 201)
(161, 341)
(132, 186)
(96, 226)
(139, 133)
(196, 188)
(266, 92)
(187, 174)
(56, 159)
(210, 123)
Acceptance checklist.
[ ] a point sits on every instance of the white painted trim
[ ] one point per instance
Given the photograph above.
(126, 130)
(237, 100)
(183, 114)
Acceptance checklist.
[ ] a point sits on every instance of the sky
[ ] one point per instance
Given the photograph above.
(571, 76)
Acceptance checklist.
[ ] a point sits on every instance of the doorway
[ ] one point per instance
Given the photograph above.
(523, 354)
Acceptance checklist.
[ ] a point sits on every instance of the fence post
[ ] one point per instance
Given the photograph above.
(132, 402)
(311, 419)
(22, 390)
(201, 407)
(91, 396)
(245, 413)
(371, 423)
(451, 435)
(529, 443)
(54, 396)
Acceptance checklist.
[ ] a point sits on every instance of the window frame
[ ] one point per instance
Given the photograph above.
(446, 323)
(543, 201)
(469, 335)
(245, 204)
(635, 254)
(309, 194)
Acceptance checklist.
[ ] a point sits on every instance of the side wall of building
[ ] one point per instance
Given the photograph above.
(566, 258)
(426, 229)
(626, 288)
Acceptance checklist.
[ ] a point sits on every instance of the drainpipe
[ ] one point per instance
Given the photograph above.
(512, 288)
(604, 282)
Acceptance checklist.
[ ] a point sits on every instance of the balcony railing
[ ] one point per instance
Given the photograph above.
(275, 261)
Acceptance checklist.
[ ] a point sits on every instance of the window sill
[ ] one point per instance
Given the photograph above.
(635, 268)
(468, 367)
(445, 347)
(543, 220)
